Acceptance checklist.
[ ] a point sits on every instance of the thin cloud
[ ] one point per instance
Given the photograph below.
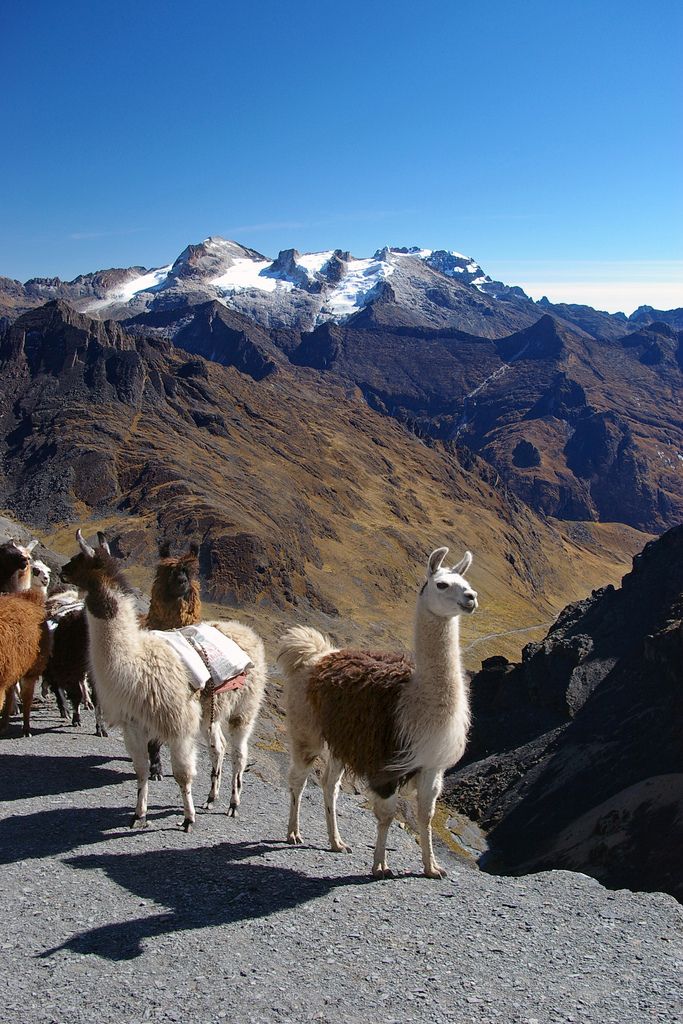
(615, 271)
(613, 296)
(85, 236)
(322, 222)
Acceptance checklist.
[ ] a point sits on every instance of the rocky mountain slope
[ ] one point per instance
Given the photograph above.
(306, 501)
(576, 411)
(579, 428)
(577, 752)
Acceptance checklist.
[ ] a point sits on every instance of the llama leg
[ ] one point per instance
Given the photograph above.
(183, 764)
(76, 720)
(5, 710)
(332, 777)
(100, 724)
(27, 686)
(428, 790)
(10, 706)
(239, 743)
(217, 753)
(136, 745)
(384, 806)
(86, 699)
(156, 771)
(302, 759)
(60, 694)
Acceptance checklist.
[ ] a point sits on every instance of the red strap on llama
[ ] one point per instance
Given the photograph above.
(236, 683)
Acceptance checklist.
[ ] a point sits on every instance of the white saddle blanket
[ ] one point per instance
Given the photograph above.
(225, 659)
(58, 612)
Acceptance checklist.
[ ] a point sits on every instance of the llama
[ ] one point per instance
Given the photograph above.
(15, 578)
(176, 602)
(24, 646)
(40, 576)
(379, 715)
(24, 639)
(66, 672)
(141, 682)
(15, 566)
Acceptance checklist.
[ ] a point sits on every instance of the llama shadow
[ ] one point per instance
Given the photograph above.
(50, 833)
(204, 887)
(32, 775)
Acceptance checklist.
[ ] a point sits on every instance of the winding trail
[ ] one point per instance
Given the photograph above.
(507, 632)
(500, 372)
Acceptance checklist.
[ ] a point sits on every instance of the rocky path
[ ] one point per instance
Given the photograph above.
(230, 924)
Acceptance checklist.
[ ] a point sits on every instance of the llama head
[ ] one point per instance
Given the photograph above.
(15, 567)
(40, 576)
(446, 592)
(92, 567)
(175, 577)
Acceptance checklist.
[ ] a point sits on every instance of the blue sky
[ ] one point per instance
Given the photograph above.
(544, 139)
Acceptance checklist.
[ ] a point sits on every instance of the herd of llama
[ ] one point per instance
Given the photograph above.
(395, 722)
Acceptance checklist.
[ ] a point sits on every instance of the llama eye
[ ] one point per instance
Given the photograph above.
(442, 586)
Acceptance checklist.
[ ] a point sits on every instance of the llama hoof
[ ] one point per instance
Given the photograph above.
(436, 871)
(187, 825)
(139, 822)
(382, 871)
(232, 813)
(207, 805)
(76, 721)
(341, 848)
(27, 733)
(154, 776)
(294, 839)
(101, 732)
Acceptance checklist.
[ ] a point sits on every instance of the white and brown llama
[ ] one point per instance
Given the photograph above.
(142, 683)
(385, 718)
(228, 716)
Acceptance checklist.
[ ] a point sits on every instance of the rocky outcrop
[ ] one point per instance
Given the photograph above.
(575, 754)
(216, 333)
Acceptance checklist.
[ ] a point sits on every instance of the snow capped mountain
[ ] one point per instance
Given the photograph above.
(409, 286)
(299, 289)
(450, 263)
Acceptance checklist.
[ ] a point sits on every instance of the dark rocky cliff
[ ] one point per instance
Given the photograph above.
(576, 754)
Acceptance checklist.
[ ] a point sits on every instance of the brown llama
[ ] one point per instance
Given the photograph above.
(174, 602)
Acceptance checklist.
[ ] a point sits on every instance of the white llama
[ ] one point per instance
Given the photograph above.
(141, 682)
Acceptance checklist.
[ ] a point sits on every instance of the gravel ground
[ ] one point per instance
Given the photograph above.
(231, 924)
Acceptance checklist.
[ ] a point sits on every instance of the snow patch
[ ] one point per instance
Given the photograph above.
(353, 291)
(127, 291)
(245, 274)
(313, 262)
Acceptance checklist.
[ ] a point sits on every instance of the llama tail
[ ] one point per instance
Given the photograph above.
(301, 647)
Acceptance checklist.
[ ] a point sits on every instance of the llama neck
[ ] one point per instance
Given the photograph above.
(437, 659)
(434, 716)
(112, 626)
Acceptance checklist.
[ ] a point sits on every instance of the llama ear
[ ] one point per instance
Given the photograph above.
(31, 546)
(194, 548)
(165, 549)
(83, 545)
(435, 560)
(464, 564)
(102, 541)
